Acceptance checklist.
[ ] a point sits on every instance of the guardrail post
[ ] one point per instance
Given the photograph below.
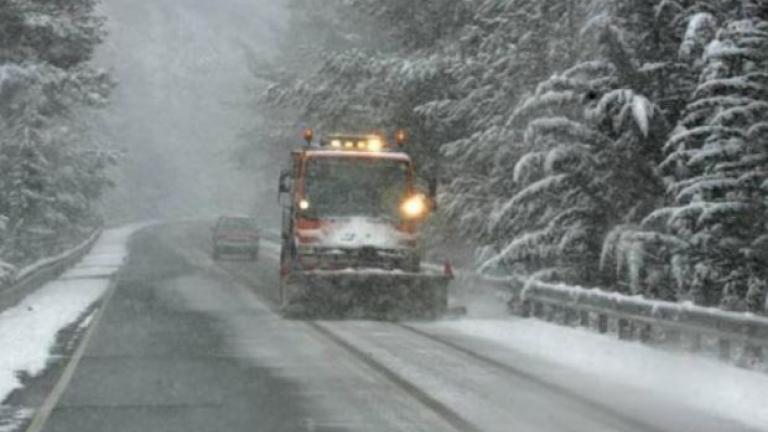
(695, 342)
(645, 333)
(525, 309)
(602, 323)
(551, 313)
(724, 346)
(570, 316)
(756, 353)
(673, 336)
(625, 329)
(584, 319)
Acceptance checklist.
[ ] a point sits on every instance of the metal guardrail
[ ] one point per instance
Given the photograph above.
(31, 279)
(638, 318)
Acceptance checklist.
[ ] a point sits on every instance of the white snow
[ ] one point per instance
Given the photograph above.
(642, 111)
(46, 261)
(530, 241)
(28, 331)
(360, 232)
(700, 30)
(11, 419)
(551, 184)
(530, 162)
(11, 72)
(757, 130)
(704, 384)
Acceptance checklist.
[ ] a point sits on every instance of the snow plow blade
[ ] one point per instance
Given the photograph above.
(365, 295)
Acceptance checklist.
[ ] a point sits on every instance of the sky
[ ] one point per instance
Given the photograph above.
(181, 103)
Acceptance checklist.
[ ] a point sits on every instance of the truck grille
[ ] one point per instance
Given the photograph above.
(367, 257)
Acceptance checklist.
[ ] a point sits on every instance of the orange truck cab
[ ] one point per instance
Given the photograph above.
(352, 203)
(351, 216)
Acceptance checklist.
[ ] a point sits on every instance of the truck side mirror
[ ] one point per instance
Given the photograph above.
(285, 183)
(284, 186)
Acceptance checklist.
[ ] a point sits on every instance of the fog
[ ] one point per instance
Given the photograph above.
(181, 103)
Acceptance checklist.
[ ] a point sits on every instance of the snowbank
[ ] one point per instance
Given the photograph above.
(704, 384)
(28, 331)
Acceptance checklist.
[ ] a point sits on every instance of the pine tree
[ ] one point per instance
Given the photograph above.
(50, 169)
(587, 169)
(503, 53)
(356, 88)
(316, 31)
(711, 233)
(415, 25)
(567, 141)
(716, 161)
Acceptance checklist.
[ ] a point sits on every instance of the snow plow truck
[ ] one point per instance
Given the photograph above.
(352, 213)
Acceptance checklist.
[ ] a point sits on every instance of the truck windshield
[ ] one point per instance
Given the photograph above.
(355, 187)
(238, 223)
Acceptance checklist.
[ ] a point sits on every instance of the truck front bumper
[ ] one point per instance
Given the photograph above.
(366, 294)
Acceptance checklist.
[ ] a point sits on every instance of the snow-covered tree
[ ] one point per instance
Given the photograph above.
(718, 158)
(591, 148)
(540, 164)
(51, 169)
(315, 30)
(500, 56)
(415, 25)
(365, 82)
(713, 232)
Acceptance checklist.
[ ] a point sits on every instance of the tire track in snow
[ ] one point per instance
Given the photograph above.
(511, 370)
(442, 410)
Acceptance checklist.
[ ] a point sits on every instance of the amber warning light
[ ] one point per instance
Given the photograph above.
(401, 137)
(309, 135)
(367, 143)
(370, 143)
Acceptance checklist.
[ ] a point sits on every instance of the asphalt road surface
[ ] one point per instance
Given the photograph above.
(189, 344)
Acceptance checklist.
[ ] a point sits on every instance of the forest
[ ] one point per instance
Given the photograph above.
(53, 167)
(604, 143)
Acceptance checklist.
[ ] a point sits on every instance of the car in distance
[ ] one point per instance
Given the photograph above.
(236, 235)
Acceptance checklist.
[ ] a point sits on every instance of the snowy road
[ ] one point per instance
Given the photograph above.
(186, 344)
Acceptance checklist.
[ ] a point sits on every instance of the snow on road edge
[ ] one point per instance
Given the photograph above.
(28, 331)
(698, 382)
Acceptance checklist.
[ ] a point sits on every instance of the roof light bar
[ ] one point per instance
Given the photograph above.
(368, 143)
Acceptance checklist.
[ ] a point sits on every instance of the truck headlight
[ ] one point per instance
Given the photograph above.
(414, 207)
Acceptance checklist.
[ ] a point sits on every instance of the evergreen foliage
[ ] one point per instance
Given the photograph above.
(51, 170)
